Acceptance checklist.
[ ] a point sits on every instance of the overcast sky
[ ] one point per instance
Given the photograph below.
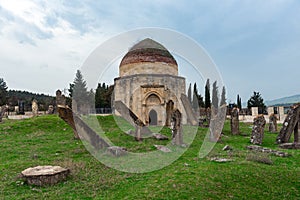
(255, 44)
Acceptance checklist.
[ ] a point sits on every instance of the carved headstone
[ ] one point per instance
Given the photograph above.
(176, 128)
(35, 108)
(234, 121)
(3, 109)
(273, 123)
(60, 99)
(50, 110)
(291, 124)
(258, 130)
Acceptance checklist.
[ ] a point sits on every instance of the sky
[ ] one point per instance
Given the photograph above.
(255, 44)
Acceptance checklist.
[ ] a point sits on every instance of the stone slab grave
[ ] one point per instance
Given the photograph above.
(273, 123)
(141, 130)
(234, 121)
(257, 135)
(45, 175)
(290, 125)
(267, 150)
(3, 110)
(35, 107)
(86, 133)
(192, 117)
(177, 138)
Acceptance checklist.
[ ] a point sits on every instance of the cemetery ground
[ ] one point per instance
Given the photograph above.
(47, 140)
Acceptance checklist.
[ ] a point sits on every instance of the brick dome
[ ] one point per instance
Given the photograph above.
(148, 52)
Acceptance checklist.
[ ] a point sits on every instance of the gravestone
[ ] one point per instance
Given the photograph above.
(60, 99)
(3, 109)
(291, 124)
(176, 128)
(141, 130)
(191, 116)
(273, 123)
(258, 130)
(35, 108)
(21, 110)
(234, 121)
(50, 110)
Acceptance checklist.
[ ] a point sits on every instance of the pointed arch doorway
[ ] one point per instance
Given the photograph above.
(153, 118)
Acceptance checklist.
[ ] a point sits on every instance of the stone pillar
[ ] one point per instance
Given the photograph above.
(254, 111)
(296, 133)
(281, 112)
(272, 123)
(234, 122)
(176, 128)
(35, 108)
(50, 110)
(270, 110)
(60, 99)
(258, 130)
(138, 129)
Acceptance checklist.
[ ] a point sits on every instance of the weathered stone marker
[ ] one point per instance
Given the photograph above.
(273, 123)
(45, 175)
(192, 117)
(291, 124)
(60, 99)
(176, 128)
(50, 110)
(258, 130)
(35, 108)
(3, 109)
(234, 121)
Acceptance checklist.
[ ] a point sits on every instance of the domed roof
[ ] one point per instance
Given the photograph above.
(148, 50)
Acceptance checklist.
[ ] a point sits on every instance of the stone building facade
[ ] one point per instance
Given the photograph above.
(148, 83)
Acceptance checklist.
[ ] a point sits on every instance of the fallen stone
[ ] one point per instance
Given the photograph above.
(163, 148)
(45, 175)
(159, 136)
(116, 151)
(221, 160)
(290, 146)
(267, 150)
(227, 148)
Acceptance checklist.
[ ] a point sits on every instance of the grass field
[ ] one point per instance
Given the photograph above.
(47, 140)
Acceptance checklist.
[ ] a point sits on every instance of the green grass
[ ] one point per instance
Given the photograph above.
(47, 140)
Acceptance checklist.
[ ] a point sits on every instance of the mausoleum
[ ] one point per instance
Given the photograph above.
(149, 84)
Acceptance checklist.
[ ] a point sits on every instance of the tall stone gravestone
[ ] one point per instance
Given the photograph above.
(60, 99)
(176, 128)
(234, 122)
(35, 107)
(258, 130)
(273, 123)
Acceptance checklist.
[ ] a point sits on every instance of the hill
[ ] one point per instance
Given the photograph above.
(47, 140)
(13, 96)
(284, 101)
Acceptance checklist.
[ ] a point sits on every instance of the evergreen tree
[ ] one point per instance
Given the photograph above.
(223, 97)
(256, 100)
(79, 89)
(207, 94)
(195, 102)
(215, 99)
(190, 93)
(239, 102)
(3, 92)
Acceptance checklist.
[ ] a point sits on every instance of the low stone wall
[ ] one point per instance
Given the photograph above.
(249, 118)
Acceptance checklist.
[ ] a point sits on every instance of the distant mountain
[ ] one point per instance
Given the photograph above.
(284, 101)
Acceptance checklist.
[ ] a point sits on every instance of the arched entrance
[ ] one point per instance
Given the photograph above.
(152, 118)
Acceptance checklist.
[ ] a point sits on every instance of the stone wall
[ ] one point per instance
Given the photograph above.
(145, 92)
